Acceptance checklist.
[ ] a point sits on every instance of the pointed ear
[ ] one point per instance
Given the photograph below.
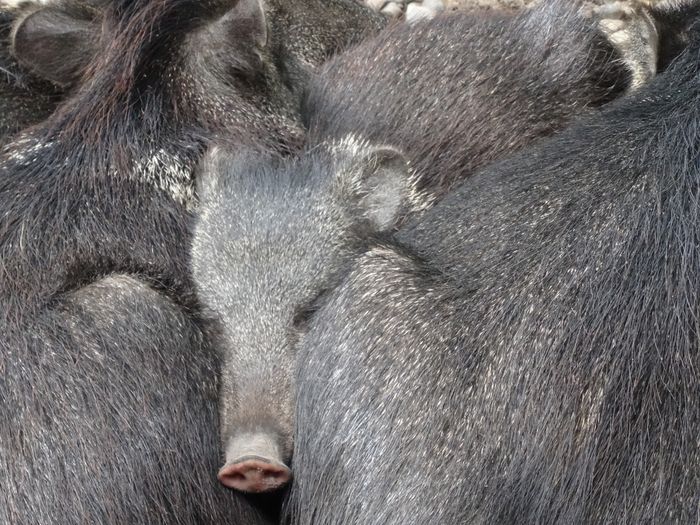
(55, 45)
(382, 188)
(236, 38)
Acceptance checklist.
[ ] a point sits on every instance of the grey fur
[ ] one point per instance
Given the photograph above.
(108, 383)
(247, 269)
(385, 431)
(262, 254)
(480, 84)
(527, 351)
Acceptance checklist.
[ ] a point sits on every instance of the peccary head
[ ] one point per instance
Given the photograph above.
(236, 67)
(272, 237)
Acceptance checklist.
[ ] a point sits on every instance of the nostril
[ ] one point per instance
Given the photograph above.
(254, 474)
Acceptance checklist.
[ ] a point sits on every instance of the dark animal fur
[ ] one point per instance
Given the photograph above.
(479, 86)
(108, 412)
(527, 352)
(442, 91)
(24, 100)
(457, 372)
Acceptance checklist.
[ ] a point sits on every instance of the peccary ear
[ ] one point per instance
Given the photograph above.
(236, 38)
(382, 187)
(54, 45)
(250, 21)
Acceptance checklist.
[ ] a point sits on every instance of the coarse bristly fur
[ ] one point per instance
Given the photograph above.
(262, 255)
(527, 351)
(478, 85)
(108, 410)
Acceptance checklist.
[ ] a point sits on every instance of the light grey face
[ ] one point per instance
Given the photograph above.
(273, 235)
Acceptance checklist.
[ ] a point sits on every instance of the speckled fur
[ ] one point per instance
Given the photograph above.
(477, 85)
(108, 410)
(385, 428)
(527, 351)
(263, 254)
(271, 236)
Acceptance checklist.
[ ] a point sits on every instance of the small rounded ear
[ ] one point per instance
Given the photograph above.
(251, 21)
(236, 38)
(382, 187)
(54, 44)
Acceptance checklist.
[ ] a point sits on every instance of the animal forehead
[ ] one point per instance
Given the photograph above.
(278, 255)
(265, 210)
(276, 241)
(268, 282)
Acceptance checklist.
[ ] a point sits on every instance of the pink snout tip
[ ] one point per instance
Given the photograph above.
(254, 474)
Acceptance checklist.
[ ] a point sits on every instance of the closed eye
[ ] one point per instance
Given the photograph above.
(303, 315)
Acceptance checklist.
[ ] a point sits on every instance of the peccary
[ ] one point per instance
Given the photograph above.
(253, 257)
(108, 411)
(257, 276)
(482, 85)
(527, 351)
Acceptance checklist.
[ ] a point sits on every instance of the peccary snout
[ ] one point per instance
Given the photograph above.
(254, 464)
